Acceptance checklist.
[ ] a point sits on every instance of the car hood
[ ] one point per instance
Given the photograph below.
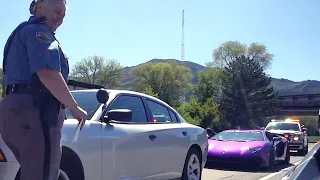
(284, 132)
(233, 146)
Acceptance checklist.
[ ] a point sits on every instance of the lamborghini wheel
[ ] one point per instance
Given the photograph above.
(287, 159)
(271, 160)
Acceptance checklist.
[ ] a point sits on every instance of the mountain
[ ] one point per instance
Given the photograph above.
(194, 67)
(281, 86)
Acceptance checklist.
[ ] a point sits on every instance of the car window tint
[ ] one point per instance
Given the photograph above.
(85, 100)
(134, 104)
(173, 116)
(159, 112)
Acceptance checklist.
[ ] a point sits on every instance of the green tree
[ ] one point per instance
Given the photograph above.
(229, 50)
(310, 122)
(208, 84)
(204, 115)
(169, 81)
(98, 70)
(246, 98)
(148, 90)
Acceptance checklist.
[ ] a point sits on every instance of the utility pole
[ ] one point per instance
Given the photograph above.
(182, 39)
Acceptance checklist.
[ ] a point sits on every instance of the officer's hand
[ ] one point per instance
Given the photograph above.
(80, 114)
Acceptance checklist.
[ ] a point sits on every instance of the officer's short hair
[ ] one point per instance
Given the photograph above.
(32, 8)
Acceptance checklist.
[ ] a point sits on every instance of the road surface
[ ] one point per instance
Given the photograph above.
(237, 173)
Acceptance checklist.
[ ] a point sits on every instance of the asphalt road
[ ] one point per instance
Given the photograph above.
(249, 173)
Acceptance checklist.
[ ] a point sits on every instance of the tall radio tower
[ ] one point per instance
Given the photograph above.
(182, 39)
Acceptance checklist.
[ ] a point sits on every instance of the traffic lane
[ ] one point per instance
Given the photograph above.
(246, 173)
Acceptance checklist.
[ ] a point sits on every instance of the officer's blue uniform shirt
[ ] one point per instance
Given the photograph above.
(34, 48)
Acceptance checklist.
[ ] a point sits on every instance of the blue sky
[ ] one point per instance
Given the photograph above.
(135, 31)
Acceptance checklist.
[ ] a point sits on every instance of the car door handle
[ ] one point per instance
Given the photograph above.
(152, 137)
(184, 133)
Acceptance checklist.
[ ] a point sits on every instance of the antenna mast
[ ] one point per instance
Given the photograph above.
(182, 38)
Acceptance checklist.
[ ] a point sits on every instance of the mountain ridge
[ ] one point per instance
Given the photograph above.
(281, 86)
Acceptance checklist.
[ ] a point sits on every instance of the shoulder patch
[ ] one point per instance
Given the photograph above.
(43, 37)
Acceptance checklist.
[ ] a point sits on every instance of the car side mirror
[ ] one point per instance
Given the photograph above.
(262, 128)
(102, 96)
(122, 115)
(304, 130)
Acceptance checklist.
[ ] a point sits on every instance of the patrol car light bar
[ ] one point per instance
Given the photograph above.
(286, 120)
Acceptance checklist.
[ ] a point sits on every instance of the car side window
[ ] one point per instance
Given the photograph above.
(87, 101)
(159, 112)
(173, 116)
(133, 103)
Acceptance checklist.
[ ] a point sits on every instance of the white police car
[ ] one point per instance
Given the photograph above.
(293, 131)
(129, 135)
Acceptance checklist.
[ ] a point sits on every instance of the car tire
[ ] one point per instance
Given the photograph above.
(287, 159)
(304, 151)
(192, 165)
(270, 165)
(63, 175)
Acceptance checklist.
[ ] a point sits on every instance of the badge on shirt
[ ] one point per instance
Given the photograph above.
(43, 37)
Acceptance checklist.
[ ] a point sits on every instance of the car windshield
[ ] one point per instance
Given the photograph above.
(87, 101)
(238, 136)
(283, 126)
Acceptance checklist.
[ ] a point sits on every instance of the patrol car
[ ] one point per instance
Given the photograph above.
(129, 135)
(293, 131)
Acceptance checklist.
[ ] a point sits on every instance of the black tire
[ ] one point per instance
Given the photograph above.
(63, 175)
(287, 160)
(70, 169)
(271, 160)
(304, 151)
(192, 153)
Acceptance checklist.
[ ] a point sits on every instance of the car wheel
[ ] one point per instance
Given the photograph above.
(271, 160)
(287, 160)
(192, 166)
(304, 151)
(63, 175)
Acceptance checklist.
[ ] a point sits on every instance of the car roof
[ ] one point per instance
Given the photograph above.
(243, 130)
(118, 91)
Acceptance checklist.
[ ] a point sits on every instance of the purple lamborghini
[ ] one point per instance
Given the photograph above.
(255, 147)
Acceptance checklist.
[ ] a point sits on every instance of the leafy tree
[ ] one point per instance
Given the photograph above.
(246, 97)
(204, 115)
(148, 90)
(230, 50)
(98, 70)
(169, 81)
(310, 122)
(208, 84)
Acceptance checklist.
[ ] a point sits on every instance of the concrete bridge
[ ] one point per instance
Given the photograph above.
(300, 105)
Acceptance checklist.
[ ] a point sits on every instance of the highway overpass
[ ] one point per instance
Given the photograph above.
(300, 105)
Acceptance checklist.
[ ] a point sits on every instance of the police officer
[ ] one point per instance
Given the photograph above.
(32, 50)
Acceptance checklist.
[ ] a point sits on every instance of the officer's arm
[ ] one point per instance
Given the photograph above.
(44, 59)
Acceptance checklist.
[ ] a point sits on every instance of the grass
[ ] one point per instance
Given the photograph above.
(313, 139)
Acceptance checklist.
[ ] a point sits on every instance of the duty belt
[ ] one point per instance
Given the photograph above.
(18, 89)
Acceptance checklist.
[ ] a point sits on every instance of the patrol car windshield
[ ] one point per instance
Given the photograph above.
(283, 126)
(238, 136)
(87, 101)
